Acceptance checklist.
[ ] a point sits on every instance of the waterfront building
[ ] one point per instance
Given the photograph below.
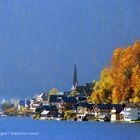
(131, 112)
(103, 111)
(56, 99)
(85, 108)
(85, 111)
(115, 114)
(24, 104)
(44, 115)
(34, 105)
(48, 112)
(63, 102)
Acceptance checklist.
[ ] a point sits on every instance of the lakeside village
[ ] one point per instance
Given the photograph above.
(72, 105)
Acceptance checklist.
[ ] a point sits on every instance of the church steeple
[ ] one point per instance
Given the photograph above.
(75, 79)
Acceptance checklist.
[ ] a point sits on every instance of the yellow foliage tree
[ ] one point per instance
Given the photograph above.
(120, 82)
(103, 89)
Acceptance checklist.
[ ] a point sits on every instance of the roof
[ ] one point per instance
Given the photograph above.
(55, 98)
(85, 104)
(132, 105)
(28, 102)
(42, 96)
(62, 98)
(109, 106)
(49, 107)
(45, 112)
(70, 100)
(22, 102)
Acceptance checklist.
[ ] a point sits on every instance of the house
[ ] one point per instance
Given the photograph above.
(34, 105)
(27, 104)
(85, 108)
(70, 103)
(63, 102)
(21, 104)
(42, 97)
(49, 112)
(57, 100)
(131, 112)
(24, 103)
(115, 113)
(85, 111)
(44, 115)
(103, 111)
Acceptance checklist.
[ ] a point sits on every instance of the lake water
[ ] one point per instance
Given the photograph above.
(28, 129)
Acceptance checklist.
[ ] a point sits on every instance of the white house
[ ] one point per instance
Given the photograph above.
(44, 115)
(131, 112)
(115, 115)
(33, 105)
(41, 98)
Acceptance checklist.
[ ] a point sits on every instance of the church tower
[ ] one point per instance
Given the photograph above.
(75, 79)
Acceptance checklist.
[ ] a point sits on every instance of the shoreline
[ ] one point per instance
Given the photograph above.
(92, 121)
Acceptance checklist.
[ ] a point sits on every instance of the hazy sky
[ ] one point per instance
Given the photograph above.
(41, 40)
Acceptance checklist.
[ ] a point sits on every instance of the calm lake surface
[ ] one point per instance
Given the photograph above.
(28, 129)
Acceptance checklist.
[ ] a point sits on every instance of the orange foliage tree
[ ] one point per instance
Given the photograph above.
(120, 82)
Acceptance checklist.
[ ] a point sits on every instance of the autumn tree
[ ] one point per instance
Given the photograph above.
(120, 82)
(103, 88)
(53, 91)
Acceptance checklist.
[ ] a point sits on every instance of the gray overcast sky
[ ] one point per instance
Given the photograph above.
(41, 40)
